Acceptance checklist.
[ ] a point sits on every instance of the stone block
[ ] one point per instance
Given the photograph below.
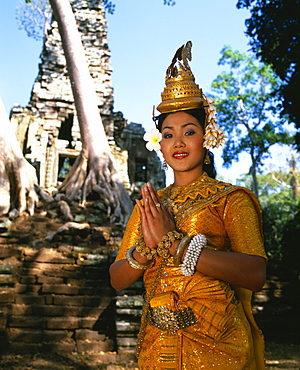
(6, 252)
(129, 311)
(27, 279)
(8, 279)
(34, 348)
(22, 348)
(65, 273)
(86, 291)
(27, 322)
(97, 301)
(60, 289)
(88, 322)
(124, 342)
(21, 310)
(124, 326)
(69, 301)
(89, 335)
(37, 336)
(129, 301)
(76, 311)
(3, 321)
(86, 347)
(27, 288)
(59, 347)
(49, 299)
(7, 268)
(49, 280)
(24, 299)
(7, 297)
(63, 323)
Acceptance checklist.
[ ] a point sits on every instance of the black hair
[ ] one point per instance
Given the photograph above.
(199, 114)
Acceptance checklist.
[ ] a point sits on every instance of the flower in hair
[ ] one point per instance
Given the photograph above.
(214, 135)
(153, 137)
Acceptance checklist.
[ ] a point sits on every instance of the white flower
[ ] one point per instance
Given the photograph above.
(153, 137)
(214, 136)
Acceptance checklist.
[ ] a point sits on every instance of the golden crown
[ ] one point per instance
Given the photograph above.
(181, 92)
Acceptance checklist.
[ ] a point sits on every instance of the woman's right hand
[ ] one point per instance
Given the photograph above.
(156, 220)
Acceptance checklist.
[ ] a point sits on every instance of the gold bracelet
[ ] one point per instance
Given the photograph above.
(163, 247)
(180, 250)
(144, 250)
(166, 243)
(133, 262)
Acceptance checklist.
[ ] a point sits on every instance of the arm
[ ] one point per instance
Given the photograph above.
(245, 264)
(233, 267)
(122, 275)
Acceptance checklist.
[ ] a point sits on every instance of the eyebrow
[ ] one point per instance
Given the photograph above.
(183, 126)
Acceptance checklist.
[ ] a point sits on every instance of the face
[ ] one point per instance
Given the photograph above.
(182, 145)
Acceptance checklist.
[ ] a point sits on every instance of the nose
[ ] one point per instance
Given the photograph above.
(178, 142)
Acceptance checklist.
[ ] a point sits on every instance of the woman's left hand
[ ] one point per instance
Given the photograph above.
(156, 219)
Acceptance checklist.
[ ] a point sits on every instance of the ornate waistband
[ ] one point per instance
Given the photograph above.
(171, 321)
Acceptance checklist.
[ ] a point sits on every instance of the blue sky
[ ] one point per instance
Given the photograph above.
(143, 37)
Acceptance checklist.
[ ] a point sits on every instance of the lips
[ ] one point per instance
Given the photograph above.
(180, 155)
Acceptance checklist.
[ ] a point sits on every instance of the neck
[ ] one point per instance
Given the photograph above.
(184, 178)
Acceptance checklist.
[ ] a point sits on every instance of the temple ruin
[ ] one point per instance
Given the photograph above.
(47, 128)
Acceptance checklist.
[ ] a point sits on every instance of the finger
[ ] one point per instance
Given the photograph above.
(154, 197)
(147, 200)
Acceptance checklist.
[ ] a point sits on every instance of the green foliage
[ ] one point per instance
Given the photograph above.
(281, 216)
(31, 17)
(274, 29)
(246, 106)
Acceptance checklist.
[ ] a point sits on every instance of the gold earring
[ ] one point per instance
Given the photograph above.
(164, 165)
(207, 158)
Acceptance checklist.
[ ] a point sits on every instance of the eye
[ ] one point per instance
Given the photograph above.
(189, 132)
(167, 135)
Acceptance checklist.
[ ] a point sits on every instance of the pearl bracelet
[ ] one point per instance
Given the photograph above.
(192, 255)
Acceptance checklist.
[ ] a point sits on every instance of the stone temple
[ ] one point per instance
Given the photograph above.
(47, 128)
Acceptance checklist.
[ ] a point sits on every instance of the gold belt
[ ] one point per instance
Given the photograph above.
(168, 317)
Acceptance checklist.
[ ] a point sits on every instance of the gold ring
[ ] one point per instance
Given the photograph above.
(157, 205)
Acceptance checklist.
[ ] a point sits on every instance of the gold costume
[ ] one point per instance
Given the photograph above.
(199, 322)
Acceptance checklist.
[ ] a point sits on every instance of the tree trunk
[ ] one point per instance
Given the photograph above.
(253, 171)
(93, 170)
(17, 176)
(294, 178)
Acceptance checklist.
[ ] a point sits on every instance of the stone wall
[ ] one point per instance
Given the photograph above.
(58, 298)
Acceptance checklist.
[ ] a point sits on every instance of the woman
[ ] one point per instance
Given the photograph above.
(198, 244)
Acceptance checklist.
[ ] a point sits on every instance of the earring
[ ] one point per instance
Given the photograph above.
(207, 158)
(164, 165)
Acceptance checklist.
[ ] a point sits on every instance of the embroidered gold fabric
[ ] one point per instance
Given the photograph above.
(167, 316)
(225, 335)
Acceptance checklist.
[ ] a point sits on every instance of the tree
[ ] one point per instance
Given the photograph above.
(280, 210)
(274, 29)
(93, 170)
(17, 176)
(33, 15)
(247, 110)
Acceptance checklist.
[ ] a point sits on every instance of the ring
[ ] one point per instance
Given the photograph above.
(157, 205)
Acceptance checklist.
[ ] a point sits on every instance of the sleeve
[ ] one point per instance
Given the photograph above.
(132, 232)
(243, 223)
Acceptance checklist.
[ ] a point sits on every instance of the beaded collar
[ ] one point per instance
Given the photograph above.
(204, 189)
